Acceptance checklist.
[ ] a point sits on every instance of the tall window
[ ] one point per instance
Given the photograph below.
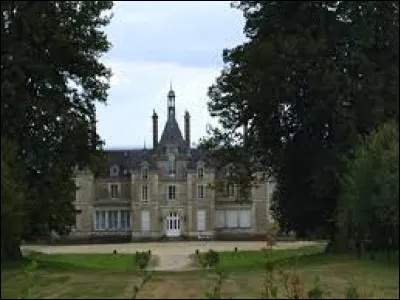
(231, 190)
(171, 164)
(112, 220)
(200, 173)
(200, 191)
(144, 173)
(171, 192)
(108, 220)
(114, 191)
(144, 192)
(125, 220)
(233, 218)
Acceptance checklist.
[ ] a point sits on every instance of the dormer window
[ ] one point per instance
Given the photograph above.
(229, 171)
(231, 190)
(144, 173)
(144, 170)
(171, 164)
(200, 170)
(200, 173)
(114, 171)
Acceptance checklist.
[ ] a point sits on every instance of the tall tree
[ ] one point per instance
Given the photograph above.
(51, 78)
(306, 83)
(369, 198)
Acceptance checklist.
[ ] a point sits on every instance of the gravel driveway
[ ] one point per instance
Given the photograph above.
(171, 255)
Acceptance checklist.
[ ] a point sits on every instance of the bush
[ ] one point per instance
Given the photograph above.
(211, 258)
(142, 259)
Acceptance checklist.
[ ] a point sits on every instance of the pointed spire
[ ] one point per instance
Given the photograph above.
(170, 85)
(144, 143)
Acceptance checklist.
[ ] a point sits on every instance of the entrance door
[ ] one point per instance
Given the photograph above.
(173, 225)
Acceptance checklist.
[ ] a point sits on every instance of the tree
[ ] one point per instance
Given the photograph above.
(12, 201)
(51, 78)
(306, 84)
(369, 201)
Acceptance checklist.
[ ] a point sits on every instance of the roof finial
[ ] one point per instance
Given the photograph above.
(144, 143)
(170, 85)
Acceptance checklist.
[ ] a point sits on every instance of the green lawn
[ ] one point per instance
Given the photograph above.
(76, 262)
(255, 260)
(112, 276)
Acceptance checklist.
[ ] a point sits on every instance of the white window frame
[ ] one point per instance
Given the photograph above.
(111, 220)
(201, 227)
(201, 191)
(174, 189)
(242, 219)
(145, 192)
(126, 215)
(145, 228)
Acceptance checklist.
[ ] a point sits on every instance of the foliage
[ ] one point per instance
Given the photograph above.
(51, 78)
(12, 201)
(142, 259)
(211, 258)
(351, 292)
(369, 205)
(145, 277)
(311, 77)
(215, 292)
(30, 273)
(316, 292)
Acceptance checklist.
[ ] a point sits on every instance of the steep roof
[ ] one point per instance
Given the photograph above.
(172, 135)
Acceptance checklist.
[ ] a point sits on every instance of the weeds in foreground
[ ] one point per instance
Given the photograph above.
(142, 260)
(215, 292)
(30, 271)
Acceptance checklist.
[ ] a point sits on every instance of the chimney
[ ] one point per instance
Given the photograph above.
(187, 128)
(155, 129)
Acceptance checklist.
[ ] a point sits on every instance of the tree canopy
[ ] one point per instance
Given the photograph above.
(313, 76)
(369, 197)
(51, 78)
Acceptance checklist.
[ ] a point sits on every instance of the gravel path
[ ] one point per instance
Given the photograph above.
(171, 255)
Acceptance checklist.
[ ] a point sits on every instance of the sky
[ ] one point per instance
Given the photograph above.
(156, 43)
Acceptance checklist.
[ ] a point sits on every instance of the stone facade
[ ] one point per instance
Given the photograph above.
(166, 192)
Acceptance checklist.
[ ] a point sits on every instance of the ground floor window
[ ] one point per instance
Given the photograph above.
(233, 218)
(112, 220)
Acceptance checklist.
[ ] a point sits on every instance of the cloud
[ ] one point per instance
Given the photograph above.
(190, 33)
(155, 42)
(139, 87)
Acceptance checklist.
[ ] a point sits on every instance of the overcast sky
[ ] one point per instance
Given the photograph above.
(155, 43)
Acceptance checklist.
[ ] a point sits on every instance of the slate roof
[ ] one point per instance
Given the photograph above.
(172, 135)
(128, 159)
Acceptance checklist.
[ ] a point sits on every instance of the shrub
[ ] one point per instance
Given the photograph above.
(316, 292)
(211, 258)
(351, 292)
(142, 259)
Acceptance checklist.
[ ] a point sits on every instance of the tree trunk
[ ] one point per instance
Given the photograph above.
(11, 250)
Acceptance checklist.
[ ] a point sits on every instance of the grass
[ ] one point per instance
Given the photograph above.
(254, 260)
(76, 262)
(110, 276)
